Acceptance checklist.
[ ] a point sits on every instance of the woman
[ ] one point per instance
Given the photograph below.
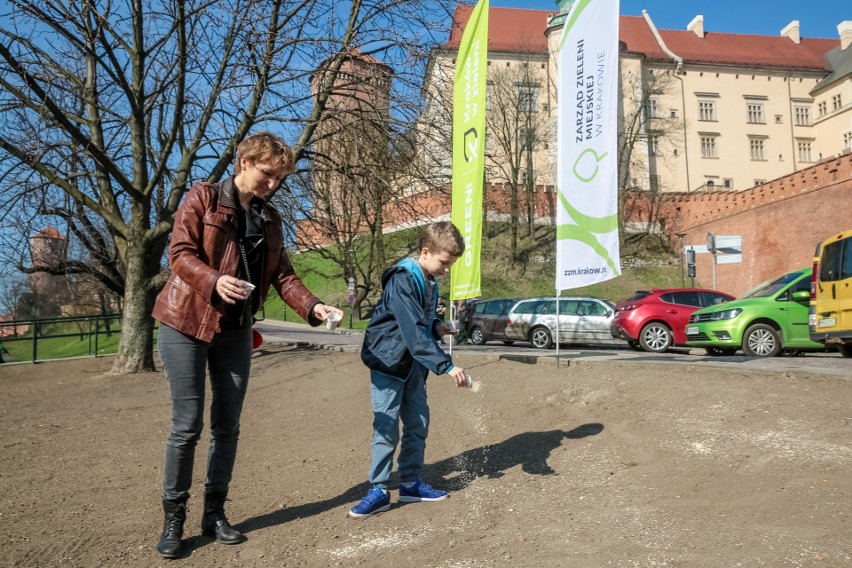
(225, 253)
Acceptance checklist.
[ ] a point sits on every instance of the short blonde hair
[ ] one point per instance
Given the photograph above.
(265, 148)
(442, 237)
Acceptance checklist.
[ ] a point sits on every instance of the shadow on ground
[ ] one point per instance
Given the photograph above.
(530, 450)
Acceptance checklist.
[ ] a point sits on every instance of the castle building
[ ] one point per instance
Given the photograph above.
(699, 110)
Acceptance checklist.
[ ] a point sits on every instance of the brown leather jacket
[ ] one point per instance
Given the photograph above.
(204, 247)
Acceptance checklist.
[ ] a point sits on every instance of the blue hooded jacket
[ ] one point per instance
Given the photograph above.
(402, 335)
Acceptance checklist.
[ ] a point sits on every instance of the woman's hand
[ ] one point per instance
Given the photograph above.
(321, 312)
(445, 330)
(231, 289)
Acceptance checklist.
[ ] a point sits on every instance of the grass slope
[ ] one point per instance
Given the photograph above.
(645, 265)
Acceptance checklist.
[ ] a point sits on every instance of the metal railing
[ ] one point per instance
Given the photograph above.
(91, 330)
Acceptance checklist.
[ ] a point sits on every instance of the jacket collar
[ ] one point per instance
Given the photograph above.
(227, 198)
(226, 194)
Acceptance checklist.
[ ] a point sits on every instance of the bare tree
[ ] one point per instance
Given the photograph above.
(647, 138)
(362, 183)
(121, 106)
(519, 126)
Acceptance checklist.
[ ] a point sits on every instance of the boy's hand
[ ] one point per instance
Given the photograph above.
(458, 374)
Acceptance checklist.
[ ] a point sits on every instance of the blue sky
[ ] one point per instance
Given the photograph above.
(816, 19)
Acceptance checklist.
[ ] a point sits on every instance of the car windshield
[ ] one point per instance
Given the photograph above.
(771, 287)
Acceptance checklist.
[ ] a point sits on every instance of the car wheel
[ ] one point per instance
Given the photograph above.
(720, 351)
(634, 345)
(508, 342)
(655, 337)
(477, 337)
(845, 350)
(761, 340)
(540, 338)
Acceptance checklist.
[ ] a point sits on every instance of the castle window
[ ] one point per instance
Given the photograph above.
(757, 149)
(803, 115)
(654, 145)
(708, 147)
(804, 147)
(707, 110)
(527, 97)
(651, 108)
(755, 113)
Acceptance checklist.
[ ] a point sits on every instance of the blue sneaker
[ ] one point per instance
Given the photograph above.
(419, 491)
(376, 501)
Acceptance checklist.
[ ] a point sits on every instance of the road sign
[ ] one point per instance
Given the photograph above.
(690, 262)
(729, 244)
(729, 259)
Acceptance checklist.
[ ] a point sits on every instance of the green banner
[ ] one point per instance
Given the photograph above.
(469, 151)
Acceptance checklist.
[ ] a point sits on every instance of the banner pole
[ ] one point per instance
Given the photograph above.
(558, 294)
(452, 317)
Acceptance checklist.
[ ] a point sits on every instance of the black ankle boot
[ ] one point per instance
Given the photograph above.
(175, 516)
(215, 524)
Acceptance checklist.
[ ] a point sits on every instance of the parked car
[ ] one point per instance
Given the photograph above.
(655, 320)
(830, 319)
(762, 322)
(581, 320)
(488, 321)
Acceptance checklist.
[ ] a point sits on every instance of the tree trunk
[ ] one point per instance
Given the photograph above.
(516, 210)
(136, 349)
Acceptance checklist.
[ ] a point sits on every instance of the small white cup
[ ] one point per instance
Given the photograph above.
(248, 287)
(468, 381)
(453, 326)
(331, 320)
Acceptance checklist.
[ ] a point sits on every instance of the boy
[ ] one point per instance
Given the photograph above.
(400, 348)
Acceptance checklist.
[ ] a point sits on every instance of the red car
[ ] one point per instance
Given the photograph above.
(654, 321)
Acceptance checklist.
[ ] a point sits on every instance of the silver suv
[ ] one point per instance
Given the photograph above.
(581, 320)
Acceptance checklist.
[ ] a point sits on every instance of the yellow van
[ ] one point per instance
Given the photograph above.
(830, 317)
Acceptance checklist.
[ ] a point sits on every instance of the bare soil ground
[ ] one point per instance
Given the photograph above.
(592, 465)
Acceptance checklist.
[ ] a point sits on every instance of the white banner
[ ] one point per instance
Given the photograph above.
(587, 136)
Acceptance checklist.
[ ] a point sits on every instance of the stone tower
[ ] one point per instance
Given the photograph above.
(351, 138)
(46, 248)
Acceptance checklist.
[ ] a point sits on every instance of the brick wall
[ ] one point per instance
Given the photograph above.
(435, 204)
(780, 222)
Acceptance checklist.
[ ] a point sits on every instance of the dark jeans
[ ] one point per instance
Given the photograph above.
(185, 361)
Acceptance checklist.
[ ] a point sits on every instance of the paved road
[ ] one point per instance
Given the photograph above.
(346, 340)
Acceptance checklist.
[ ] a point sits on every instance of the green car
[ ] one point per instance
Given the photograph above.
(762, 322)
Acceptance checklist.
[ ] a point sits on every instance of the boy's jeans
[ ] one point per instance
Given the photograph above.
(185, 361)
(395, 400)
